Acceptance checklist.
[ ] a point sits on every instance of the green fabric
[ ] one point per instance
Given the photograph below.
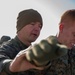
(45, 51)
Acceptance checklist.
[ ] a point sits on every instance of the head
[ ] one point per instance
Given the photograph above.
(67, 28)
(29, 25)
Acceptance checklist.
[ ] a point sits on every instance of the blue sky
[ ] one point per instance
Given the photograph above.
(51, 11)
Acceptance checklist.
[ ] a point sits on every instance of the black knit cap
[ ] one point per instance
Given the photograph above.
(26, 17)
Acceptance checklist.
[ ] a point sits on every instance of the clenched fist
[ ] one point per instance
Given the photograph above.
(48, 49)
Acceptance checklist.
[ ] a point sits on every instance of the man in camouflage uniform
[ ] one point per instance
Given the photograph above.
(13, 61)
(66, 64)
(29, 25)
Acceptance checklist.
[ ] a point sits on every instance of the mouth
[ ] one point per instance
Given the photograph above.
(35, 35)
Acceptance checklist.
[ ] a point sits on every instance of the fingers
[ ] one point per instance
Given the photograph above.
(62, 50)
(52, 40)
(45, 51)
(39, 53)
(45, 46)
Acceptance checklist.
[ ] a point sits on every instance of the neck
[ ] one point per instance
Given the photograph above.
(24, 41)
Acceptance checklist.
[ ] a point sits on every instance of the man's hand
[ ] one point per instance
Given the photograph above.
(38, 56)
(20, 63)
(48, 49)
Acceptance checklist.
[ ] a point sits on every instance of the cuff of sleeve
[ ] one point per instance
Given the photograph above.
(6, 66)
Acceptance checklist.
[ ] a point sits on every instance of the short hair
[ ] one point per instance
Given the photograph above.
(69, 14)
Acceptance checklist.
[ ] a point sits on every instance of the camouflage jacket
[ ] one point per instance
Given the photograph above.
(61, 66)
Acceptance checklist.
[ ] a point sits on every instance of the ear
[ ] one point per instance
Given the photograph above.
(61, 26)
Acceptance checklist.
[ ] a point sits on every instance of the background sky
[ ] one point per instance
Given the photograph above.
(51, 11)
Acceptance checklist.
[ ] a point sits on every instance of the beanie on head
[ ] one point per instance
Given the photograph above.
(26, 17)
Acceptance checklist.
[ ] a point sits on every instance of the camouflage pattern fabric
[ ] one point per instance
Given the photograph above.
(61, 66)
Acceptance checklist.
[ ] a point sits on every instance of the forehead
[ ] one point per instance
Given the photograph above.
(69, 23)
(69, 26)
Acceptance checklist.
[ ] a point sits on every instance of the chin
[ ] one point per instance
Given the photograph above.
(33, 40)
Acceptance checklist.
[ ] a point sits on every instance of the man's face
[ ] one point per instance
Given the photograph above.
(31, 31)
(68, 34)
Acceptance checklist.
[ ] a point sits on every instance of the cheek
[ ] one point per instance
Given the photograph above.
(27, 31)
(66, 32)
(65, 36)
